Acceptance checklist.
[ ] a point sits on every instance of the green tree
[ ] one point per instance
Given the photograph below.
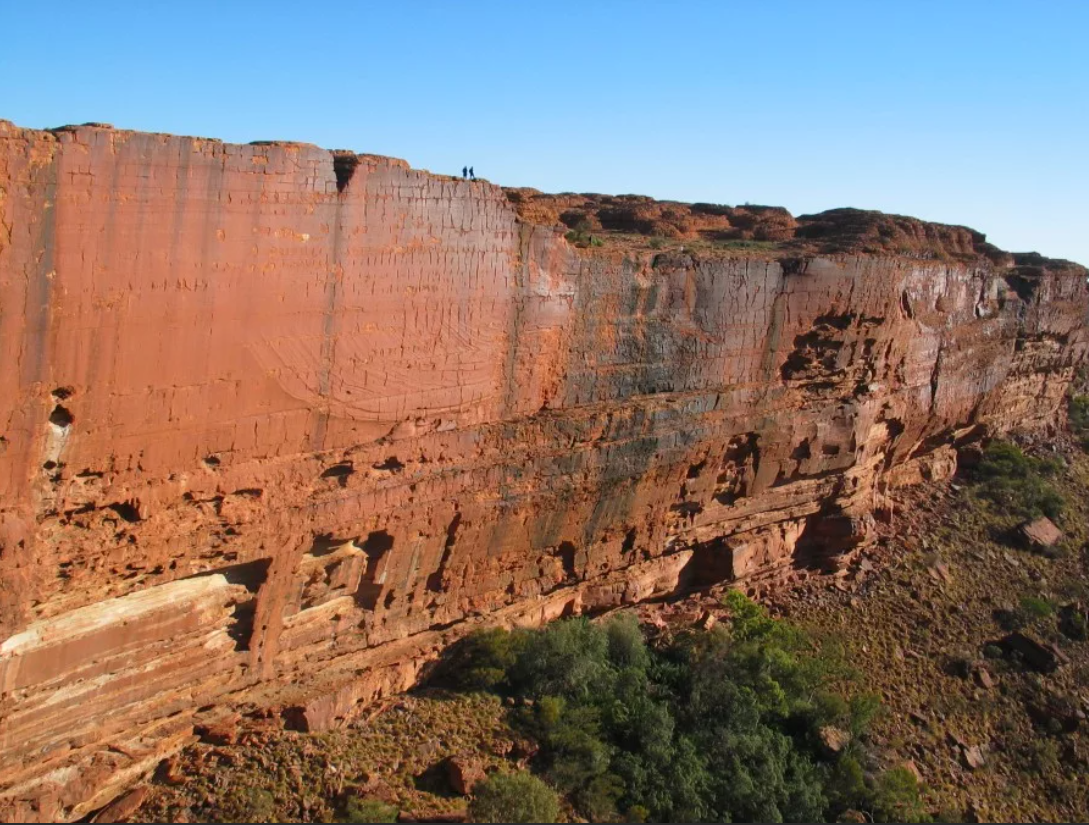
(513, 797)
(896, 798)
(721, 725)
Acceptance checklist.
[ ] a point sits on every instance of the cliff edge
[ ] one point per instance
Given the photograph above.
(278, 423)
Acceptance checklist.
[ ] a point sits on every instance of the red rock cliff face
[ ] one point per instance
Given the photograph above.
(276, 424)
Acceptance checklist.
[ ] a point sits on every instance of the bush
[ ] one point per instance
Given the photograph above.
(246, 804)
(1073, 623)
(481, 660)
(513, 797)
(1033, 608)
(896, 798)
(368, 810)
(1017, 483)
(1078, 417)
(711, 726)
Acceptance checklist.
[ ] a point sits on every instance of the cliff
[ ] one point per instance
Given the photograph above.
(278, 424)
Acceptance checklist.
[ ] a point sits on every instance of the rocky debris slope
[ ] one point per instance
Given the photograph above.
(281, 423)
(973, 641)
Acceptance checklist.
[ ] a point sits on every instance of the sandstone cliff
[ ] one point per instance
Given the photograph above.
(277, 424)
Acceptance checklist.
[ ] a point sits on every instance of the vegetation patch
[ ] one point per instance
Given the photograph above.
(745, 722)
(1077, 410)
(1018, 484)
(368, 810)
(513, 797)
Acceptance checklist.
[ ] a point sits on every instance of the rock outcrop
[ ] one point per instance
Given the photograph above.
(278, 423)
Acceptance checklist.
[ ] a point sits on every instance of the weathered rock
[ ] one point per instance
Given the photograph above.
(463, 772)
(280, 424)
(1042, 657)
(1055, 712)
(123, 807)
(973, 757)
(222, 732)
(958, 739)
(833, 739)
(939, 571)
(171, 772)
(984, 678)
(1040, 534)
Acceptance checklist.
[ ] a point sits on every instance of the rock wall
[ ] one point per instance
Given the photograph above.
(277, 424)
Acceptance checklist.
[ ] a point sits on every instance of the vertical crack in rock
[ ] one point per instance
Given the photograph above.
(377, 547)
(344, 166)
(436, 580)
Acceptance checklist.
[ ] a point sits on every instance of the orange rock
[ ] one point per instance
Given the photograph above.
(284, 423)
(833, 739)
(913, 769)
(463, 772)
(1041, 533)
(122, 808)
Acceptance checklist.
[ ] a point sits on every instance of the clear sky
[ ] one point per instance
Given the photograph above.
(970, 112)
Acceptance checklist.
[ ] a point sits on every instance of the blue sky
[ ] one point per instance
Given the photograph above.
(964, 112)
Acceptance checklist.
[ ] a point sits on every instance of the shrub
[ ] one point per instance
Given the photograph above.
(513, 797)
(1033, 608)
(481, 660)
(1017, 482)
(1078, 417)
(368, 810)
(896, 798)
(1073, 623)
(246, 804)
(576, 220)
(581, 238)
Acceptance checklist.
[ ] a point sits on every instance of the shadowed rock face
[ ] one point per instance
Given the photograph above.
(277, 424)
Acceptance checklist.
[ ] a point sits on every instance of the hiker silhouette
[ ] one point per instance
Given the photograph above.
(465, 171)
(471, 175)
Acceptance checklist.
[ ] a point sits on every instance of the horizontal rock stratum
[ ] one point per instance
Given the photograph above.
(278, 423)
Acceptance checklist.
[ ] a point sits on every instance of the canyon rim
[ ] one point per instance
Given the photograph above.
(278, 424)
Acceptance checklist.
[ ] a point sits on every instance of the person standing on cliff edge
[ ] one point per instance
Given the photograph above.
(465, 171)
(471, 175)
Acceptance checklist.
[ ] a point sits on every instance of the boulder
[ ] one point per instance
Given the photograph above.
(984, 678)
(222, 732)
(462, 772)
(974, 758)
(1043, 657)
(833, 739)
(1039, 534)
(171, 773)
(123, 807)
(1055, 713)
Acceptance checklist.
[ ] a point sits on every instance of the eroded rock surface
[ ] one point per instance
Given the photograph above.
(277, 424)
